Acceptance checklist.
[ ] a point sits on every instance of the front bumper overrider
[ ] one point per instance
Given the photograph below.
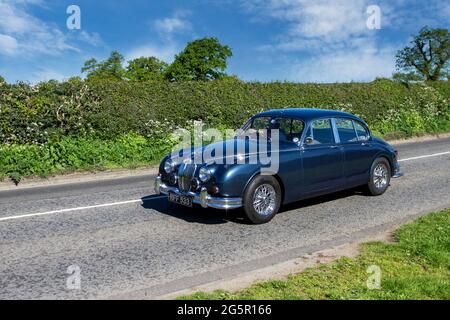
(202, 197)
(397, 171)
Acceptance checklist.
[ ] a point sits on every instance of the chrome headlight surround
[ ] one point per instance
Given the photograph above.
(169, 166)
(204, 174)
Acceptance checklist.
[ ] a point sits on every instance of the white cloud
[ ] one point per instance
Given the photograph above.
(8, 45)
(31, 34)
(177, 23)
(315, 23)
(171, 25)
(46, 75)
(363, 64)
(13, 20)
(94, 39)
(163, 52)
(331, 37)
(34, 36)
(167, 46)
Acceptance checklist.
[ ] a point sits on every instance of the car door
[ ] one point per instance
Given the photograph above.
(322, 158)
(358, 152)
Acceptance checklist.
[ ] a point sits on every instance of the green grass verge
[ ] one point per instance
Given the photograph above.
(416, 266)
(79, 154)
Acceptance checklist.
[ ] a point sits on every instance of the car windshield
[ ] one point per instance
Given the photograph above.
(290, 129)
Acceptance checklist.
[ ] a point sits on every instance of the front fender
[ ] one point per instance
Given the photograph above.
(233, 179)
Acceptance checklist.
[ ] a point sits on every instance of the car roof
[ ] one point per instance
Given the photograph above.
(307, 114)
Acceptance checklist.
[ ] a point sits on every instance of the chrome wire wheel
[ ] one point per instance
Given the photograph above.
(264, 200)
(380, 176)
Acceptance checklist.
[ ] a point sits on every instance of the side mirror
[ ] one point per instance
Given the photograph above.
(309, 140)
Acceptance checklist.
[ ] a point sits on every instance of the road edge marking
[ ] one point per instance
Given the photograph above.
(31, 215)
(425, 156)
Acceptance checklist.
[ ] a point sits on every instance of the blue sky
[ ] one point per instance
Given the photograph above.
(293, 40)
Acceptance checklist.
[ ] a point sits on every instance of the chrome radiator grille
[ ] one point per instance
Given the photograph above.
(185, 175)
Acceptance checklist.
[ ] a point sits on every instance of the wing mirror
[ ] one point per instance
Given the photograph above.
(309, 140)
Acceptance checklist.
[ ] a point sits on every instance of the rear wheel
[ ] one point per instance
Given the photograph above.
(262, 199)
(380, 177)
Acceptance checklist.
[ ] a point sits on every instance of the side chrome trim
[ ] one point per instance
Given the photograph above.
(202, 198)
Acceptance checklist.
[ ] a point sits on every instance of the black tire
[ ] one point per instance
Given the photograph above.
(377, 184)
(251, 213)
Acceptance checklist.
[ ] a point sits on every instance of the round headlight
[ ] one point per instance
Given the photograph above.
(204, 174)
(169, 166)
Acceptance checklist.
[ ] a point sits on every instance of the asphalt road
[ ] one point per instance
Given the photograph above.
(128, 248)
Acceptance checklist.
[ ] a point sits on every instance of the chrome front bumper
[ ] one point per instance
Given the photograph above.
(202, 198)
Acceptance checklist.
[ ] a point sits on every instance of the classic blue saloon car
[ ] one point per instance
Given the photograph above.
(319, 152)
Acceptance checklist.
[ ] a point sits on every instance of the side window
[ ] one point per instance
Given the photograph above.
(297, 127)
(260, 123)
(320, 132)
(363, 133)
(290, 129)
(283, 124)
(346, 130)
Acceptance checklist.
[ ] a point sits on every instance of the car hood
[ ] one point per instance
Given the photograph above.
(225, 151)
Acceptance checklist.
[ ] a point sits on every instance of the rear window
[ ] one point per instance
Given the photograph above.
(346, 130)
(363, 133)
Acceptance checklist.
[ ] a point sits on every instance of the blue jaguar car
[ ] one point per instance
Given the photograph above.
(318, 152)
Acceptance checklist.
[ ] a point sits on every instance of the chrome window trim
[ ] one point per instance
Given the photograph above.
(337, 137)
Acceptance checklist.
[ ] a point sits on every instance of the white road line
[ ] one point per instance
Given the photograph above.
(76, 209)
(425, 156)
(31, 215)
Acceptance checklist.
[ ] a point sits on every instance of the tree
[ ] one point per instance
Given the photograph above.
(145, 69)
(110, 68)
(407, 77)
(203, 59)
(2, 80)
(428, 55)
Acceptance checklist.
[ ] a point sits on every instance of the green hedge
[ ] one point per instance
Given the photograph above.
(57, 127)
(111, 109)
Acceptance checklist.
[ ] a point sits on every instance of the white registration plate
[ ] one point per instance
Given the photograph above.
(179, 199)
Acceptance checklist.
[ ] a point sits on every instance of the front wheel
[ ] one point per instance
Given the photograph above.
(380, 177)
(262, 199)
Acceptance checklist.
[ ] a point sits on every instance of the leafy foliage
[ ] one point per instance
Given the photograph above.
(203, 59)
(428, 55)
(146, 69)
(109, 109)
(111, 68)
(70, 154)
(34, 119)
(408, 77)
